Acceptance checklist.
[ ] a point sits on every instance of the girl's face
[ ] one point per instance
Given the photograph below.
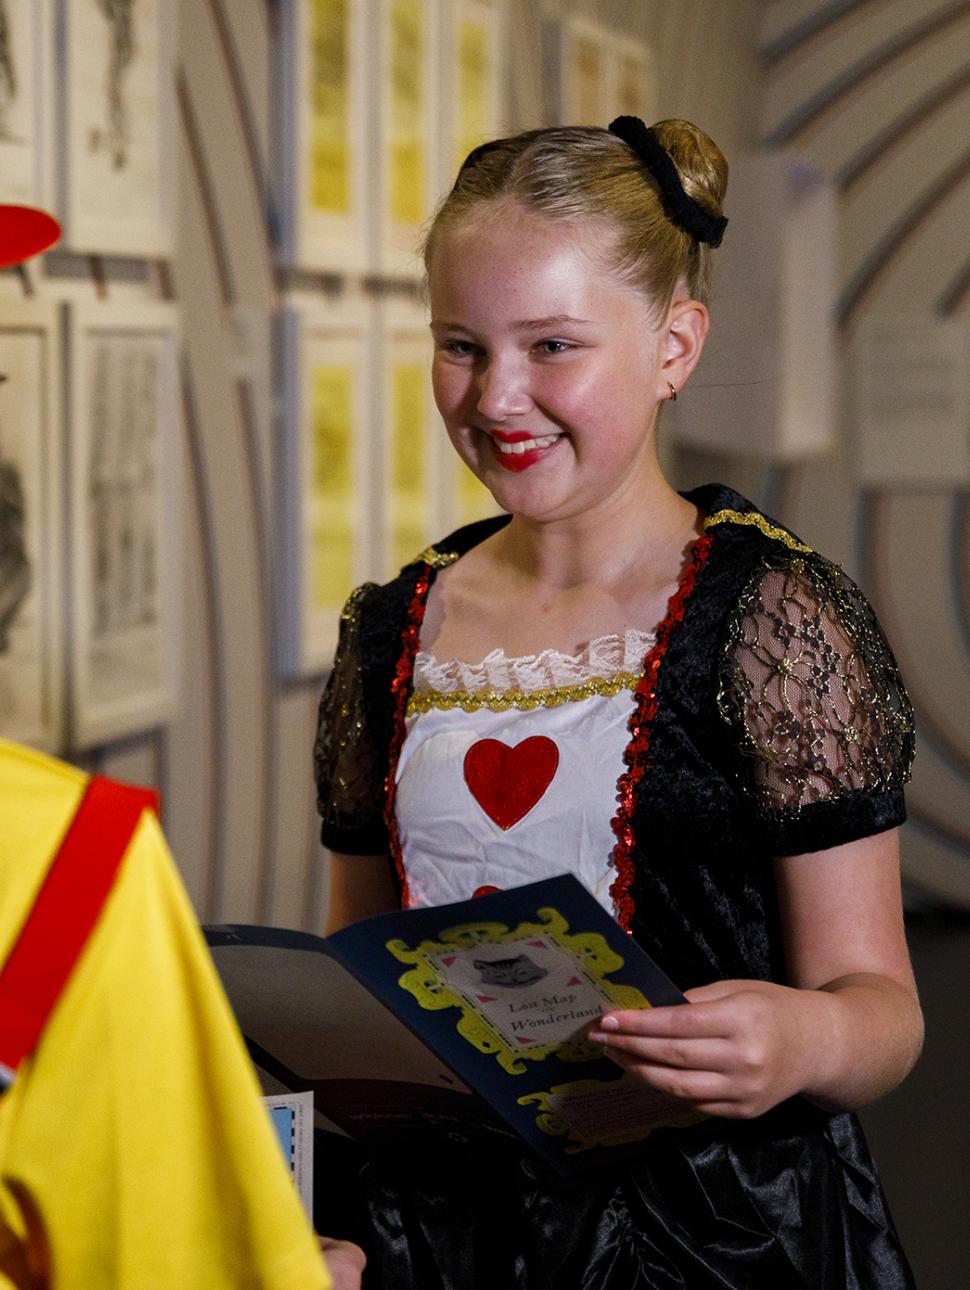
(547, 370)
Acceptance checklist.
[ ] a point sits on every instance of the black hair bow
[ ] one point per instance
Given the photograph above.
(679, 205)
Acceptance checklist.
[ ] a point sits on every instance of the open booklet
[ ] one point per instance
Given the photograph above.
(470, 1017)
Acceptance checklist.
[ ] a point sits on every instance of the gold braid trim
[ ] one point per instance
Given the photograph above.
(527, 700)
(759, 522)
(437, 559)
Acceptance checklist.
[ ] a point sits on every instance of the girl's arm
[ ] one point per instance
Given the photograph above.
(359, 886)
(844, 938)
(847, 1029)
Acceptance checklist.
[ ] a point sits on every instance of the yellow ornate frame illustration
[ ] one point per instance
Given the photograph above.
(551, 1122)
(593, 957)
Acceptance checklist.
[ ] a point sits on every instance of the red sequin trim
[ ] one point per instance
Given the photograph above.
(639, 724)
(401, 690)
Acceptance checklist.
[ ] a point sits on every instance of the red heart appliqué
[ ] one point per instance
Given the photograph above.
(507, 782)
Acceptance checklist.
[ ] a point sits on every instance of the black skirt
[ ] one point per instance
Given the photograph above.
(789, 1200)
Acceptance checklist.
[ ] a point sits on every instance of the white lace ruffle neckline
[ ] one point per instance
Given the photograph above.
(603, 658)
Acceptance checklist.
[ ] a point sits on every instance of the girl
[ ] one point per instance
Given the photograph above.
(718, 742)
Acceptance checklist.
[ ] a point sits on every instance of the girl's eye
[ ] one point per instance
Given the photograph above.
(554, 346)
(458, 348)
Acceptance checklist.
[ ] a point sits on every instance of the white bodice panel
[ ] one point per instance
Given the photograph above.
(452, 802)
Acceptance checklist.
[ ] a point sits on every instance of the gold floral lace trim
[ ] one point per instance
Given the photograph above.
(759, 522)
(527, 700)
(437, 559)
(811, 686)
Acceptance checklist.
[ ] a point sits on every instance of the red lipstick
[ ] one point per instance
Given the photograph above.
(518, 460)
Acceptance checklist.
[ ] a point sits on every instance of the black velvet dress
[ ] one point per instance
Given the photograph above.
(770, 721)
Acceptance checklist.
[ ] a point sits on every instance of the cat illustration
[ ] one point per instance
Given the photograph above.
(518, 971)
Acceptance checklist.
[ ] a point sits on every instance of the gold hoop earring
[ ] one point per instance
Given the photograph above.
(673, 392)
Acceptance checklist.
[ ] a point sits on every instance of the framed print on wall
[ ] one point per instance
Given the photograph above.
(416, 451)
(116, 127)
(634, 91)
(327, 473)
(472, 71)
(323, 115)
(25, 90)
(603, 74)
(409, 35)
(123, 390)
(31, 575)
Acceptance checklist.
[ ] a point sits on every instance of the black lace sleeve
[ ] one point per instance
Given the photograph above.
(349, 763)
(812, 689)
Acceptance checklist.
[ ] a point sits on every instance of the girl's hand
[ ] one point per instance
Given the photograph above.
(846, 1030)
(738, 1049)
(345, 1262)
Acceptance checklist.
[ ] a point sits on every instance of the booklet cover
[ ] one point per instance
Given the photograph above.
(470, 1016)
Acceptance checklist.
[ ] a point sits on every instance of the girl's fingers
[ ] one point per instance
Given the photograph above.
(724, 1010)
(690, 1086)
(712, 1020)
(682, 1054)
(720, 990)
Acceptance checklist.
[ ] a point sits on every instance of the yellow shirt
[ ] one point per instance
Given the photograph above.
(135, 1132)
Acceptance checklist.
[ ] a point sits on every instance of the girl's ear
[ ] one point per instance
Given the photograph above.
(687, 326)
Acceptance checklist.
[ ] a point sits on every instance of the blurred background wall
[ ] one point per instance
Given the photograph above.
(234, 763)
(874, 95)
(862, 108)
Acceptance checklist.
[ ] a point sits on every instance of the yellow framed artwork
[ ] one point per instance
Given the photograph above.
(328, 488)
(415, 447)
(586, 78)
(322, 137)
(409, 35)
(603, 74)
(471, 81)
(634, 81)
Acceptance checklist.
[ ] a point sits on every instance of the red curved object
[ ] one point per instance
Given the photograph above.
(25, 231)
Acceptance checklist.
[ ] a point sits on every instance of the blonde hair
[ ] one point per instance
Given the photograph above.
(585, 173)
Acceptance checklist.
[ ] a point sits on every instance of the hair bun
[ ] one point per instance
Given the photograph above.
(699, 161)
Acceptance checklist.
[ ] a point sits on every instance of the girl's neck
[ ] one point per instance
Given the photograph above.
(558, 584)
(599, 547)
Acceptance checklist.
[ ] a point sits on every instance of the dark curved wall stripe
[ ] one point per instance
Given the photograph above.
(956, 292)
(241, 98)
(812, 25)
(900, 129)
(872, 521)
(885, 250)
(264, 686)
(959, 561)
(159, 766)
(190, 127)
(828, 97)
(314, 893)
(201, 492)
(163, 779)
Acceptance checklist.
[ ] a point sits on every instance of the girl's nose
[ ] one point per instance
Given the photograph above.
(502, 391)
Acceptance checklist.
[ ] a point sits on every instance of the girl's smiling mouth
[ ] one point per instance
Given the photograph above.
(517, 450)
